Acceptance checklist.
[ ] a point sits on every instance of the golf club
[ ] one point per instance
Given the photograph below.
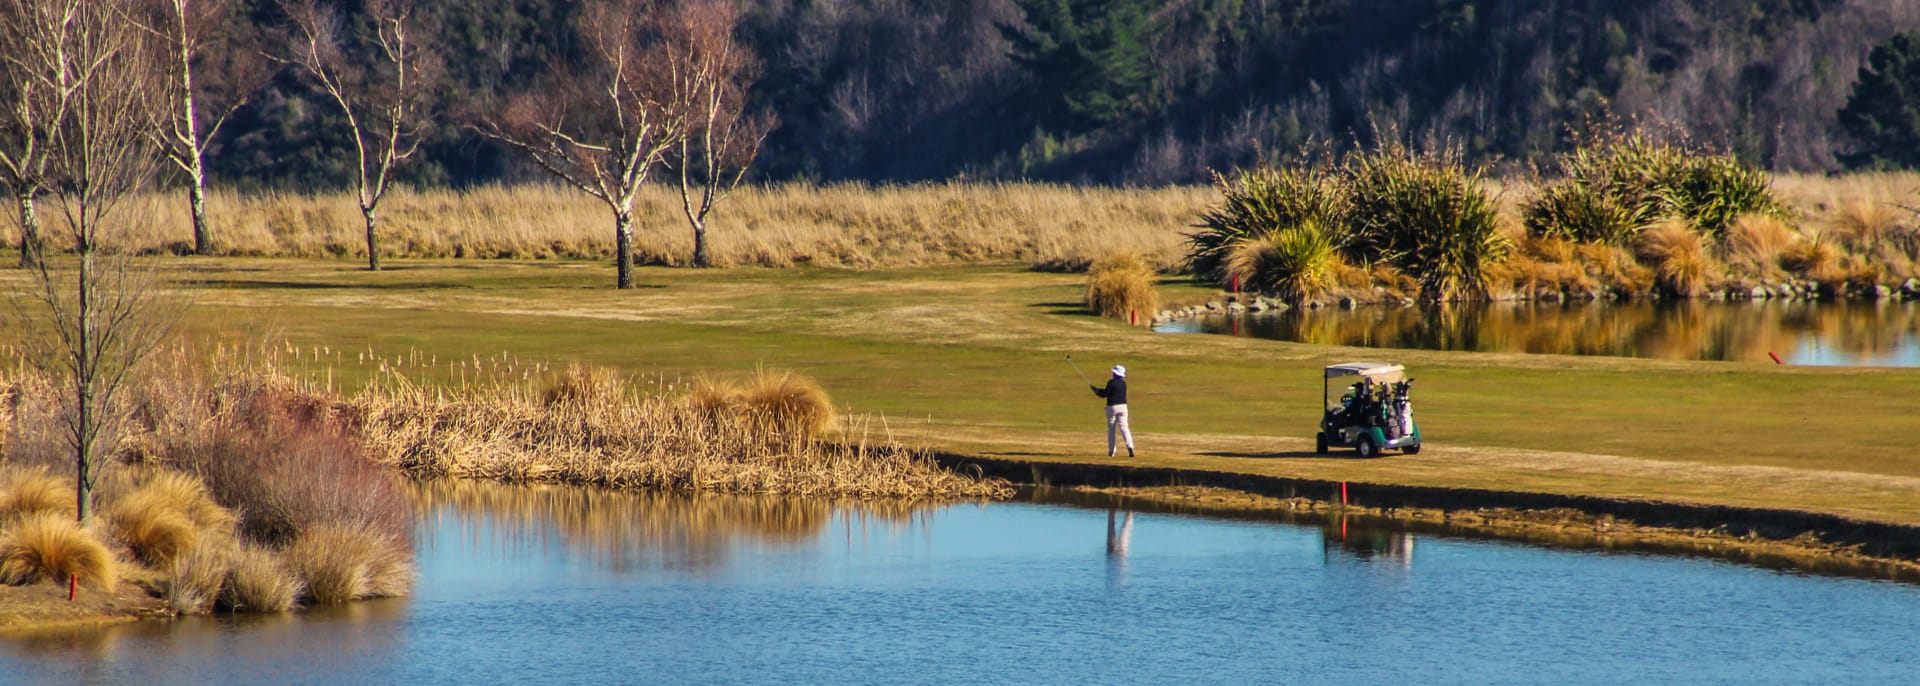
(1076, 370)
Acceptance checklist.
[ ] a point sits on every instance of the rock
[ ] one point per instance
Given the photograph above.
(1910, 287)
(1256, 307)
(1313, 304)
(1277, 306)
(1548, 296)
(1213, 305)
(1716, 296)
(1879, 292)
(1164, 315)
(1348, 303)
(1236, 308)
(1760, 293)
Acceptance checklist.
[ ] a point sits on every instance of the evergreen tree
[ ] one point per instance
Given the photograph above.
(1087, 61)
(1883, 112)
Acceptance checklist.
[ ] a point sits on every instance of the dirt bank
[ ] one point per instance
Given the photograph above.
(1768, 537)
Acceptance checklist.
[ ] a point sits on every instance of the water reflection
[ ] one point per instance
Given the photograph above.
(629, 531)
(1343, 540)
(1881, 333)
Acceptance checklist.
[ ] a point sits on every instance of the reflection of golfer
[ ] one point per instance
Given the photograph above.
(1117, 538)
(1116, 395)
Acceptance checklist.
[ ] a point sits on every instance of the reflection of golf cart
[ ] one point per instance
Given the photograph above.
(1374, 412)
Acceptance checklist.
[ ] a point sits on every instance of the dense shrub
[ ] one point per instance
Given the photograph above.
(1254, 205)
(1298, 263)
(1426, 215)
(1615, 184)
(286, 467)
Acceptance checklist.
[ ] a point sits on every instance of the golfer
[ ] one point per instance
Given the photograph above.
(1116, 395)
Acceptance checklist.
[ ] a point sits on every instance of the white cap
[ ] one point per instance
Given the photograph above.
(1120, 370)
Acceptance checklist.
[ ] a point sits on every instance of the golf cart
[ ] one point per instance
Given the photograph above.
(1374, 412)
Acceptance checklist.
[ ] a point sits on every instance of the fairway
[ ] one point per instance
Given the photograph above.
(973, 360)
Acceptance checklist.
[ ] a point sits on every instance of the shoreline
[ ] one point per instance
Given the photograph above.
(1766, 537)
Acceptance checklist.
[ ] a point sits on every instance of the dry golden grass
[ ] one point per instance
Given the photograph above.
(1755, 242)
(51, 547)
(259, 581)
(847, 225)
(28, 491)
(340, 564)
(1122, 285)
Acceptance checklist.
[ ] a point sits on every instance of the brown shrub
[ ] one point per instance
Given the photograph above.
(1810, 258)
(286, 468)
(51, 547)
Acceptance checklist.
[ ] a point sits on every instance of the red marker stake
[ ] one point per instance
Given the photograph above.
(1343, 493)
(1776, 358)
(73, 586)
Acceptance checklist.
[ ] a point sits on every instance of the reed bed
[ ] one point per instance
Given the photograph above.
(766, 434)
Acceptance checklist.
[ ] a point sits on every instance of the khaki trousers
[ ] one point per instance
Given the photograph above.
(1117, 420)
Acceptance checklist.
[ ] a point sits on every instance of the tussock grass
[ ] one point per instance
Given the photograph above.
(169, 514)
(1815, 257)
(1678, 257)
(1121, 285)
(194, 580)
(1755, 243)
(340, 564)
(51, 547)
(258, 580)
(27, 491)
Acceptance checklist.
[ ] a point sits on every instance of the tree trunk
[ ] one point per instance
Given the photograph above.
(83, 389)
(623, 247)
(197, 198)
(29, 231)
(701, 257)
(373, 245)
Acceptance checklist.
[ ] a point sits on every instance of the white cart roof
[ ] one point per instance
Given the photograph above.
(1377, 372)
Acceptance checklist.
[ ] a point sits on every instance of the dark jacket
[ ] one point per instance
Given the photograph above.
(1115, 392)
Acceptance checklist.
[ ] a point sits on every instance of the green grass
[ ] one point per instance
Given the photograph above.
(972, 359)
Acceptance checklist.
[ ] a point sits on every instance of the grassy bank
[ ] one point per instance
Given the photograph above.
(972, 359)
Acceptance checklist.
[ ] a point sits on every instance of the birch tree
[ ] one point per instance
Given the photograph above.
(101, 316)
(383, 77)
(212, 65)
(709, 70)
(603, 123)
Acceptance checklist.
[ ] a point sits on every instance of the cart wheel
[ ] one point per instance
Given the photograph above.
(1367, 448)
(1412, 449)
(1320, 443)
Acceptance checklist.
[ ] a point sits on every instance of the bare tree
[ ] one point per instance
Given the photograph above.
(32, 103)
(601, 125)
(710, 70)
(213, 66)
(382, 76)
(100, 317)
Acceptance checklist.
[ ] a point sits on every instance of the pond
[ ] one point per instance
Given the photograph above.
(563, 585)
(1881, 333)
